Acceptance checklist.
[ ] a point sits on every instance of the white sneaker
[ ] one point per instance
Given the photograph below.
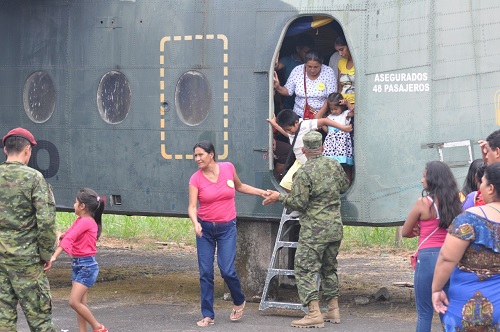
(294, 214)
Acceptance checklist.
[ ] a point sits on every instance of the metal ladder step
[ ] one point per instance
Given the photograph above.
(286, 244)
(273, 271)
(282, 305)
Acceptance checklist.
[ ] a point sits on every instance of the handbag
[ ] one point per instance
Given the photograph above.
(413, 260)
(414, 257)
(308, 113)
(308, 110)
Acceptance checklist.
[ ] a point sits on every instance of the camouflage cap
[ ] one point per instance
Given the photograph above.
(20, 132)
(312, 140)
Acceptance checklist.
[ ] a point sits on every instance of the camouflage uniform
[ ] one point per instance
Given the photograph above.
(316, 193)
(27, 237)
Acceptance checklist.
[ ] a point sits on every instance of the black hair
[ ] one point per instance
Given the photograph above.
(335, 99)
(305, 40)
(313, 56)
(207, 146)
(493, 139)
(470, 183)
(492, 176)
(479, 174)
(94, 205)
(340, 41)
(287, 118)
(15, 144)
(441, 185)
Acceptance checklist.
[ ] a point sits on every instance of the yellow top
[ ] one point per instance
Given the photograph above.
(346, 79)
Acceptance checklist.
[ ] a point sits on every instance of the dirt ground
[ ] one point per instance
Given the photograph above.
(132, 275)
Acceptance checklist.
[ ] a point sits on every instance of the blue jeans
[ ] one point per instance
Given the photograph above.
(84, 270)
(222, 236)
(424, 273)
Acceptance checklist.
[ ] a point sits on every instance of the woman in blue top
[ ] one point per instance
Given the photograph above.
(471, 256)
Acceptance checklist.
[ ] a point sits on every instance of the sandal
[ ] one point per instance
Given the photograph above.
(236, 314)
(101, 329)
(205, 322)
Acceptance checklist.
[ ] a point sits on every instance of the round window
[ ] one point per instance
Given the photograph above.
(39, 97)
(192, 98)
(113, 97)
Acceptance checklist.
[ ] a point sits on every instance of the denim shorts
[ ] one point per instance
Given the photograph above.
(84, 270)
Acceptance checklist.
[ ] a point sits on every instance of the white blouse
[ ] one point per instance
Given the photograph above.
(317, 90)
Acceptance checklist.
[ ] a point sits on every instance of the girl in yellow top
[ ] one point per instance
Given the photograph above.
(346, 70)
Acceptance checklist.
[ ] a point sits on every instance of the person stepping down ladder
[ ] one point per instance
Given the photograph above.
(315, 193)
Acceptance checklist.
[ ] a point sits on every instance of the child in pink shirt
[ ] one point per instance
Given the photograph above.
(79, 242)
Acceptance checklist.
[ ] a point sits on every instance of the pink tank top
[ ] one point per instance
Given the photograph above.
(427, 227)
(216, 199)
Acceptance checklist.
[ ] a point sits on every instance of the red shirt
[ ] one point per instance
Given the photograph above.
(81, 238)
(216, 199)
(478, 200)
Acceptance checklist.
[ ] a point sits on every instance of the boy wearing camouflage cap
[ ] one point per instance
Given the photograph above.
(27, 236)
(316, 194)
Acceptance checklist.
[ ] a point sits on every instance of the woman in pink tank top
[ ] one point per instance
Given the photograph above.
(429, 218)
(212, 211)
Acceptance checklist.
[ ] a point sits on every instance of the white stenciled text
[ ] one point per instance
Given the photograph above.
(401, 82)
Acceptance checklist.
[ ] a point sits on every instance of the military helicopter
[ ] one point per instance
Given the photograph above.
(117, 92)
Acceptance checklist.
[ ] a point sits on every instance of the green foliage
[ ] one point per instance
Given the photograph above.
(64, 220)
(137, 228)
(180, 230)
(356, 237)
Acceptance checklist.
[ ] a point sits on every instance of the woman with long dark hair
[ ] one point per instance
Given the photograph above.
(429, 219)
(346, 71)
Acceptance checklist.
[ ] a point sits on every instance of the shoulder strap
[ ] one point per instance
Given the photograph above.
(481, 208)
(435, 206)
(291, 149)
(434, 231)
(305, 86)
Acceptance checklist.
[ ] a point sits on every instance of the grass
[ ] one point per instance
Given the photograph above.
(357, 237)
(136, 229)
(140, 229)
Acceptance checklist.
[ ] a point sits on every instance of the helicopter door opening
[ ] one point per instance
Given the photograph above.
(314, 40)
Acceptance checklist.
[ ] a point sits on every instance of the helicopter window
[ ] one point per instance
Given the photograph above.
(192, 98)
(39, 97)
(113, 97)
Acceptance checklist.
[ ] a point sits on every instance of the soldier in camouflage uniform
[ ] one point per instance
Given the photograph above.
(316, 193)
(27, 237)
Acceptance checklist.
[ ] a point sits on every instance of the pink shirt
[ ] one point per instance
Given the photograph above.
(80, 239)
(216, 200)
(427, 227)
